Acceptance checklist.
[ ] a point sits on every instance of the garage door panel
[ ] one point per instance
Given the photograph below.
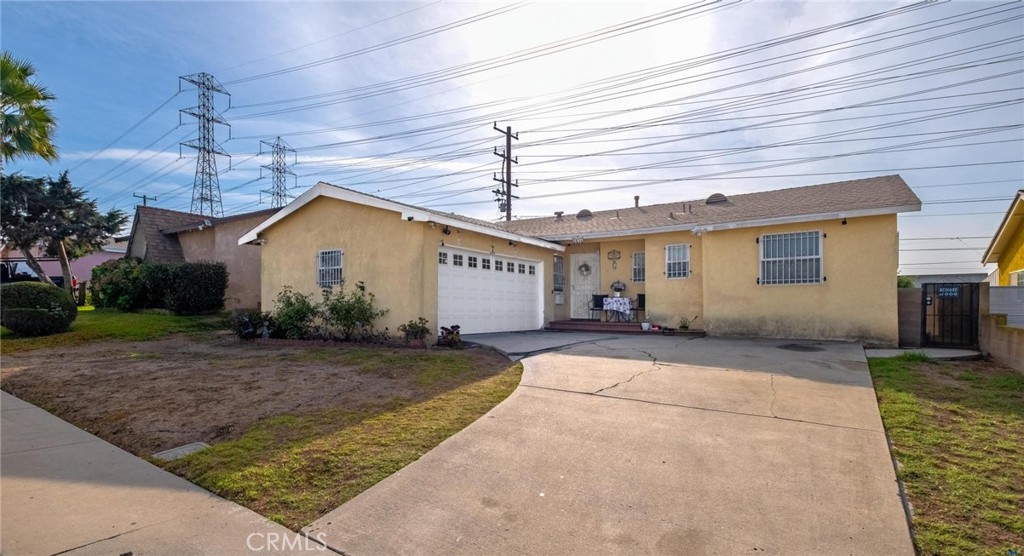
(481, 299)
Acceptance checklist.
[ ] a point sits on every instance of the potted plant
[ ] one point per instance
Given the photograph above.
(684, 323)
(618, 287)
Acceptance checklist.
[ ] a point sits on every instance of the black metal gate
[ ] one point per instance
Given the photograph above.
(949, 315)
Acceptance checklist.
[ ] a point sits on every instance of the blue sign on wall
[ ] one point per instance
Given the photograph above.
(947, 291)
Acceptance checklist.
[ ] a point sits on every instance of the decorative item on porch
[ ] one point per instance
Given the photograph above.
(646, 324)
(614, 255)
(618, 287)
(584, 269)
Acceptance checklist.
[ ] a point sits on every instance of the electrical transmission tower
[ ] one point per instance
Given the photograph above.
(279, 169)
(206, 188)
(504, 195)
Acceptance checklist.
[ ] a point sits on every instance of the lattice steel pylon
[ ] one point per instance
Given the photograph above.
(206, 188)
(279, 169)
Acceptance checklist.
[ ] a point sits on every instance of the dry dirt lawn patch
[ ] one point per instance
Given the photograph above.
(296, 431)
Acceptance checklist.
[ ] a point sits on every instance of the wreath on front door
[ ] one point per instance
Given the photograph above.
(584, 269)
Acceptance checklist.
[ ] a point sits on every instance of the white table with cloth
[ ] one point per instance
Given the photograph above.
(620, 307)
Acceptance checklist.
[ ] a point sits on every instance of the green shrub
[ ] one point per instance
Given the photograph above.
(294, 314)
(904, 282)
(154, 285)
(115, 284)
(195, 288)
(36, 309)
(415, 329)
(352, 313)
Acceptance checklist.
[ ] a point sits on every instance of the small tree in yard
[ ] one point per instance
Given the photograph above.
(55, 215)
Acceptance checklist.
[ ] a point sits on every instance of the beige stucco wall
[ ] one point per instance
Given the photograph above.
(1012, 258)
(220, 243)
(396, 259)
(857, 301)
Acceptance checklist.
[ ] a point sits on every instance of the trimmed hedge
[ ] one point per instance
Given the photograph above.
(184, 288)
(36, 309)
(195, 288)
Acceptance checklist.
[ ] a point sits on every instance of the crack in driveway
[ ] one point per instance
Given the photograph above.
(654, 367)
(771, 408)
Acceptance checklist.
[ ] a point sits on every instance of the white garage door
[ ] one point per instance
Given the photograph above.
(488, 293)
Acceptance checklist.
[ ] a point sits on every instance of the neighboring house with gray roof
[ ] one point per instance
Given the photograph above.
(807, 262)
(167, 236)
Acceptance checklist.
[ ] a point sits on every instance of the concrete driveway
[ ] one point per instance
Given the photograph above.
(652, 445)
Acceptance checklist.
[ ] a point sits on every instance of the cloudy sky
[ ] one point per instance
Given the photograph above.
(609, 100)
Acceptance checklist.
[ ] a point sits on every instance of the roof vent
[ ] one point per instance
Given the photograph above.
(558, 215)
(584, 215)
(716, 198)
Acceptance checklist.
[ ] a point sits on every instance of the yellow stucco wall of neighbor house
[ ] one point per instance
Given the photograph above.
(220, 243)
(857, 300)
(1012, 258)
(394, 258)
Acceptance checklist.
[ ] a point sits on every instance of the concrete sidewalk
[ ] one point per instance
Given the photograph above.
(65, 491)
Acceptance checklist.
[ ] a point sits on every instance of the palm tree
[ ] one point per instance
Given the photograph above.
(28, 125)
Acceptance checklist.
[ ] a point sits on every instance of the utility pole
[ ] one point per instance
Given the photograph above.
(279, 169)
(144, 198)
(206, 187)
(504, 195)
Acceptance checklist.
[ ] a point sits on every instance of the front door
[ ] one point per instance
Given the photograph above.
(949, 315)
(584, 274)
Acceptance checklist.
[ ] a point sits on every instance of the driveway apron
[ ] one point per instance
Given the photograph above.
(652, 445)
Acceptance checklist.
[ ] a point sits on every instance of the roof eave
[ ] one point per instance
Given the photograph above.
(410, 214)
(1011, 221)
(695, 226)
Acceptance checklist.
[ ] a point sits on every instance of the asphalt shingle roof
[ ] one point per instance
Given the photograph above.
(881, 192)
(161, 226)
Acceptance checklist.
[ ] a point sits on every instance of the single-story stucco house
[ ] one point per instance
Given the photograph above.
(1007, 246)
(806, 262)
(168, 236)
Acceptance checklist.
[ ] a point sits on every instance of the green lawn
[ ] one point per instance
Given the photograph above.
(94, 325)
(958, 433)
(296, 468)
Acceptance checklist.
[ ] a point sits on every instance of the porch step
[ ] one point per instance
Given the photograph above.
(611, 327)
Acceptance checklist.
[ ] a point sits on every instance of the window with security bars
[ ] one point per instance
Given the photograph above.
(559, 273)
(793, 258)
(677, 261)
(639, 274)
(328, 268)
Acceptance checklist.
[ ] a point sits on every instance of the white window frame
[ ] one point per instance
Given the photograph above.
(471, 261)
(499, 265)
(442, 257)
(639, 270)
(558, 273)
(1015, 278)
(485, 263)
(682, 272)
(457, 259)
(330, 264)
(774, 270)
